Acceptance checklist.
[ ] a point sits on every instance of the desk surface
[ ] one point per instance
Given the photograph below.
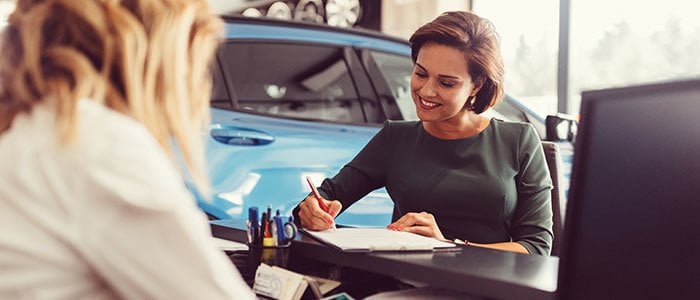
(477, 271)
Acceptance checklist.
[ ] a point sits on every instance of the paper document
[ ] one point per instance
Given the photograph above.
(226, 245)
(378, 239)
(324, 285)
(279, 283)
(424, 293)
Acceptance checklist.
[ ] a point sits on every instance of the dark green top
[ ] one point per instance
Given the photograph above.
(488, 188)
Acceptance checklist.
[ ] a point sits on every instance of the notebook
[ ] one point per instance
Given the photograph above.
(378, 239)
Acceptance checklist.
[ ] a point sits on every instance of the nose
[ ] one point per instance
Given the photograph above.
(428, 89)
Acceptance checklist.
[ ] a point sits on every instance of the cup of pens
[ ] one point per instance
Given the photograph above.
(269, 237)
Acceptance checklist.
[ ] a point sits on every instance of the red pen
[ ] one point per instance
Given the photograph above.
(318, 197)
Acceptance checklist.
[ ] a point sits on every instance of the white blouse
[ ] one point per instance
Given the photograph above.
(106, 217)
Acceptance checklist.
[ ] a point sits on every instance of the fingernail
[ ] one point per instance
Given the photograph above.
(331, 212)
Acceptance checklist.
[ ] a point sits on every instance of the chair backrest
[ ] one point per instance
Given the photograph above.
(554, 162)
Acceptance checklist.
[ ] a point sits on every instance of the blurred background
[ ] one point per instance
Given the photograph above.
(553, 49)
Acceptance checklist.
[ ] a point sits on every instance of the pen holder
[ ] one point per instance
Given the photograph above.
(270, 255)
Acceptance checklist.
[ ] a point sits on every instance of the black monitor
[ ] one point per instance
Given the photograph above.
(633, 216)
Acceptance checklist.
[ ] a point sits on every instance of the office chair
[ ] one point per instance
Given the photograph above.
(554, 162)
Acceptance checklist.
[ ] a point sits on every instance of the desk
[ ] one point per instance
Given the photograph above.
(473, 270)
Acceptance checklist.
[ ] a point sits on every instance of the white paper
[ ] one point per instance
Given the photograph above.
(278, 283)
(226, 245)
(426, 293)
(377, 239)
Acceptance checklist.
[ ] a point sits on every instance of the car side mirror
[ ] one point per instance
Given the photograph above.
(561, 127)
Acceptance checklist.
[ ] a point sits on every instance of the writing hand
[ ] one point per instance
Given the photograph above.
(312, 217)
(422, 223)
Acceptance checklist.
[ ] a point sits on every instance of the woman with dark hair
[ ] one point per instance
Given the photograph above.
(455, 174)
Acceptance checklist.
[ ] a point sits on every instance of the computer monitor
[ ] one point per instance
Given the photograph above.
(633, 216)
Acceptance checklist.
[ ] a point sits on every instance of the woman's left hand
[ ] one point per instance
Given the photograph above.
(422, 223)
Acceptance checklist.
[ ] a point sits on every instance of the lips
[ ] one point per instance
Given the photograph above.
(427, 105)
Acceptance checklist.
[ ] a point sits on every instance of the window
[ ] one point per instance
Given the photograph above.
(292, 80)
(529, 39)
(612, 44)
(219, 96)
(6, 7)
(625, 42)
(396, 70)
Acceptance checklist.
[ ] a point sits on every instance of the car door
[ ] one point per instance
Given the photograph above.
(284, 111)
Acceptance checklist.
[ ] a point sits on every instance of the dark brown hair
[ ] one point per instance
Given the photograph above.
(476, 37)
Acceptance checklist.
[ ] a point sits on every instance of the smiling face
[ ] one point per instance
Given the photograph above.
(441, 84)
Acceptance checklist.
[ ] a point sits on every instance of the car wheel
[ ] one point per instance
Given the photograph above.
(252, 12)
(309, 11)
(343, 13)
(279, 10)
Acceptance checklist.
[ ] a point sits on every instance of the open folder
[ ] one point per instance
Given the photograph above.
(378, 239)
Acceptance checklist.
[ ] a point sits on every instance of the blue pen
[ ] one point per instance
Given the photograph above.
(281, 239)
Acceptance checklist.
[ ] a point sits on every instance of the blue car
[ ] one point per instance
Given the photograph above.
(292, 100)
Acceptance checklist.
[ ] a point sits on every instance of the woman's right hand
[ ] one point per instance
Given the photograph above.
(312, 217)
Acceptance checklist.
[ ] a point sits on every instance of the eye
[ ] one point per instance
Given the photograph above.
(447, 84)
(420, 74)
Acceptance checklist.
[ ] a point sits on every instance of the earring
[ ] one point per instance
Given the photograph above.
(469, 105)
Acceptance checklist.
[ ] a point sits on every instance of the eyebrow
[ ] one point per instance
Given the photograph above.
(440, 75)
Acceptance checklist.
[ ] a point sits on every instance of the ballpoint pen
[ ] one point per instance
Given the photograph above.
(253, 226)
(318, 197)
(263, 228)
(279, 236)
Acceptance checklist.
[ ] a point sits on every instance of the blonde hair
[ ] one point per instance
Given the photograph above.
(148, 59)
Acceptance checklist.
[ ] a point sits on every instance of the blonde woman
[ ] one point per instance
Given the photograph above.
(97, 98)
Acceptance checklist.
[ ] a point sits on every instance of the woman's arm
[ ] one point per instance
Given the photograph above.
(424, 223)
(531, 224)
(365, 173)
(507, 246)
